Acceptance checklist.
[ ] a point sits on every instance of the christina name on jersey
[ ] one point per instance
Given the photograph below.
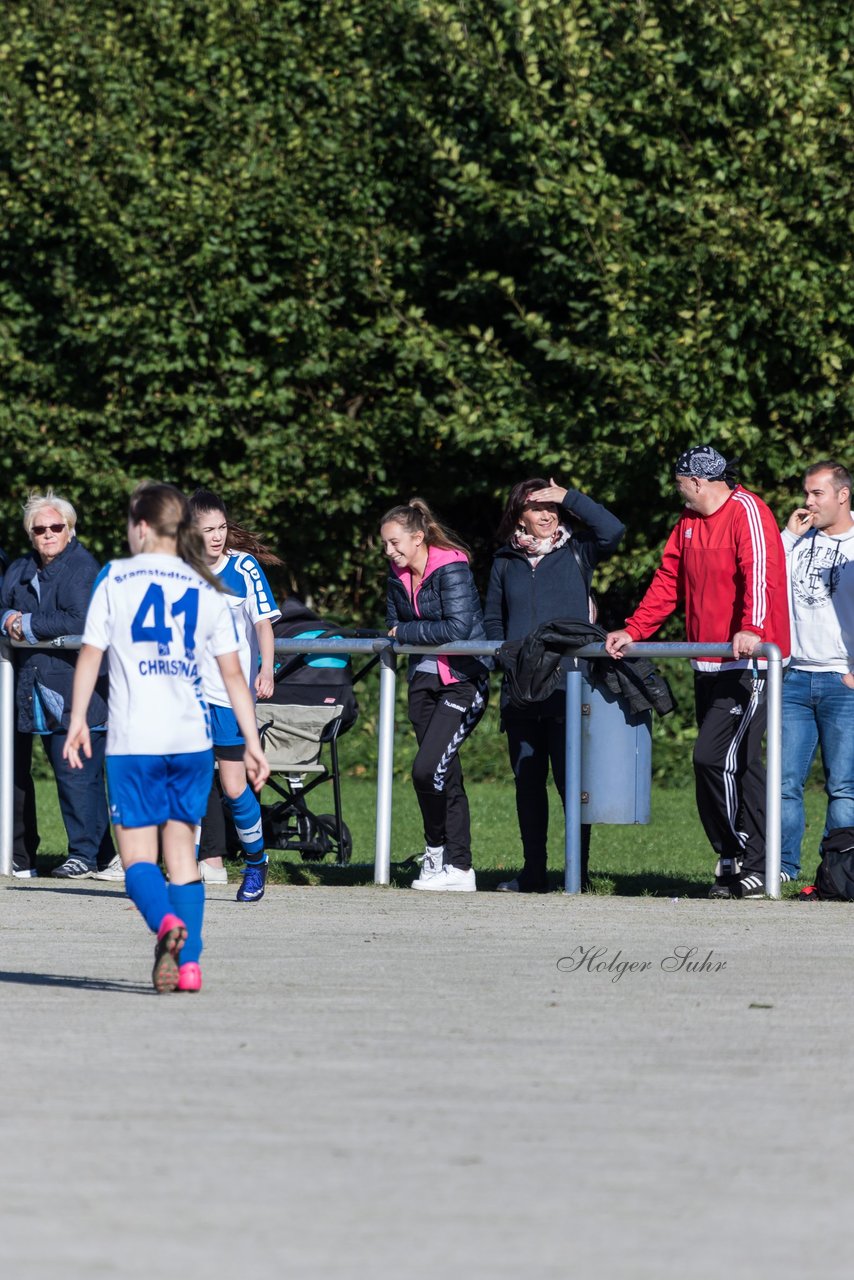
(168, 667)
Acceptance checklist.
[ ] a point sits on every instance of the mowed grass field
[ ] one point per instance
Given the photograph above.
(669, 857)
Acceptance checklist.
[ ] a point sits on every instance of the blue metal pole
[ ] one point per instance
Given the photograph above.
(385, 766)
(7, 753)
(773, 764)
(572, 874)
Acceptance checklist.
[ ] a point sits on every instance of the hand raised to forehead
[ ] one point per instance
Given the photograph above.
(552, 493)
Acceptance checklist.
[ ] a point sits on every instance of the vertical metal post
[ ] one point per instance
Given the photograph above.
(773, 771)
(385, 764)
(572, 873)
(7, 757)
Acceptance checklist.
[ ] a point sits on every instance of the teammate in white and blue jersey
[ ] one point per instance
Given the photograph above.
(232, 554)
(159, 615)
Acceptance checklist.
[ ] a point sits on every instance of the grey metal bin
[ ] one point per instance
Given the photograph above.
(616, 759)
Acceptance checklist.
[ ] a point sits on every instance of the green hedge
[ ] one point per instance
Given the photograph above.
(324, 255)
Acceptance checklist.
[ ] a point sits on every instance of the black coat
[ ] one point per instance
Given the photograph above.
(532, 668)
(519, 599)
(448, 610)
(58, 608)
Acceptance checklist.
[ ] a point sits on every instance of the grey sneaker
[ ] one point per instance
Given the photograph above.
(449, 880)
(73, 868)
(112, 871)
(431, 865)
(212, 875)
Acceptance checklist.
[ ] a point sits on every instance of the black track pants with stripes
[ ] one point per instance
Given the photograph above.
(443, 716)
(730, 776)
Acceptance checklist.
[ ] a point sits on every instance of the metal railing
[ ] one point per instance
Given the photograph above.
(388, 651)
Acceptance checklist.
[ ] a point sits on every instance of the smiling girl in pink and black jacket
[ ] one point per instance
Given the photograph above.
(432, 600)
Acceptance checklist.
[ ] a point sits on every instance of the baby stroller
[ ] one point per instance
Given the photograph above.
(312, 705)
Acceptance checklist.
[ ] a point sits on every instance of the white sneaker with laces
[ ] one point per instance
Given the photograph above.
(449, 880)
(431, 864)
(212, 875)
(112, 871)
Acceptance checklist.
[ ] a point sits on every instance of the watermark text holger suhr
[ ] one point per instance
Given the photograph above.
(681, 959)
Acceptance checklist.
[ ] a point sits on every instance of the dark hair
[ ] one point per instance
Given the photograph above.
(237, 538)
(840, 476)
(165, 509)
(415, 516)
(517, 502)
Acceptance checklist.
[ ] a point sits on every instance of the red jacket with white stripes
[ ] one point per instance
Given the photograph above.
(729, 571)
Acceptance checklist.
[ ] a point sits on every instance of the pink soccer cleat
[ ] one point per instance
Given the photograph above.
(189, 977)
(170, 939)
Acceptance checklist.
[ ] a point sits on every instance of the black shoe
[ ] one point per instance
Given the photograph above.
(723, 888)
(726, 878)
(752, 885)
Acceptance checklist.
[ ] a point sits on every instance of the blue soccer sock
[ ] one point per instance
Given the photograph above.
(246, 812)
(147, 890)
(188, 902)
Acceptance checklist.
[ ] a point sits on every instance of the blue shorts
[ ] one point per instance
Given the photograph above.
(225, 730)
(146, 791)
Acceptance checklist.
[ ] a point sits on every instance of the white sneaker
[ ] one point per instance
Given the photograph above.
(112, 871)
(431, 865)
(24, 873)
(212, 875)
(449, 880)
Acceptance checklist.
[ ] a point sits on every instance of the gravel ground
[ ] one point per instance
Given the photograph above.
(382, 1083)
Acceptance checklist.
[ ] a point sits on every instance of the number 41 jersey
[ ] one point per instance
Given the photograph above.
(157, 617)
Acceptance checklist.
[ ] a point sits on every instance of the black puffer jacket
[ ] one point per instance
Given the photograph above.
(58, 607)
(448, 610)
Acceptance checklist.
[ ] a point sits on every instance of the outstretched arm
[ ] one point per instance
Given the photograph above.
(257, 768)
(266, 642)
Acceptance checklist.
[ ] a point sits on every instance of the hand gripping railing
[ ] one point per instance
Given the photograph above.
(388, 651)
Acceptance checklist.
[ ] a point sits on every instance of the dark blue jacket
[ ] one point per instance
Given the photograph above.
(448, 610)
(519, 599)
(58, 608)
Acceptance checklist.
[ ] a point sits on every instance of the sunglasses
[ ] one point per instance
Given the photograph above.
(40, 529)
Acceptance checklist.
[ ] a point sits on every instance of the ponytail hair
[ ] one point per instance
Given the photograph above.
(165, 510)
(237, 538)
(415, 516)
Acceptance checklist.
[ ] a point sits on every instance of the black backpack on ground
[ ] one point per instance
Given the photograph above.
(834, 879)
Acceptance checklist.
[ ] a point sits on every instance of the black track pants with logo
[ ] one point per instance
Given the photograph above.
(443, 716)
(730, 776)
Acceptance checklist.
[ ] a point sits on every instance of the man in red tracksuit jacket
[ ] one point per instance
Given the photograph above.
(725, 563)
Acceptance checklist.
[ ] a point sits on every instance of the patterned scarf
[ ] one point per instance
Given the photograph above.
(536, 548)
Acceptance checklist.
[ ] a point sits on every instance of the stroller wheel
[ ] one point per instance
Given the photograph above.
(314, 838)
(330, 826)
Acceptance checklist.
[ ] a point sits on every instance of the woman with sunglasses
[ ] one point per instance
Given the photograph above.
(45, 594)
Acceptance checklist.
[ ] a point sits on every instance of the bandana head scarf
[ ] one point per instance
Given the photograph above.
(706, 463)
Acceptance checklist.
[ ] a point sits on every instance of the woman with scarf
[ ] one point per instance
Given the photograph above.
(551, 539)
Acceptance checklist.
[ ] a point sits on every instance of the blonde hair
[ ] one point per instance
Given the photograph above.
(415, 516)
(37, 502)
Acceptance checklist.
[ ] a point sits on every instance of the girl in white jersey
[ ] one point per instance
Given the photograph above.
(156, 615)
(232, 555)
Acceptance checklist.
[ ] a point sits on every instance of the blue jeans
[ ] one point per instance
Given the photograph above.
(818, 710)
(82, 800)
